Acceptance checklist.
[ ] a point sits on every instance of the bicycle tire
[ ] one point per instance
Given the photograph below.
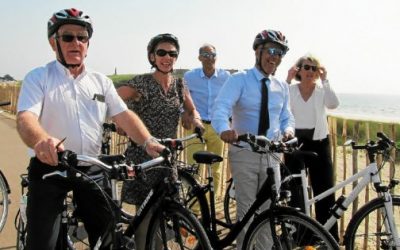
(193, 198)
(182, 229)
(4, 202)
(356, 226)
(294, 230)
(230, 203)
(190, 197)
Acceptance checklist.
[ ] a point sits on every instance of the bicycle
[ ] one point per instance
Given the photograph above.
(187, 173)
(383, 210)
(289, 228)
(4, 192)
(74, 236)
(171, 224)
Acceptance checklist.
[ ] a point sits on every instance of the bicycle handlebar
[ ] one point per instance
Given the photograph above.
(177, 143)
(258, 142)
(69, 159)
(384, 143)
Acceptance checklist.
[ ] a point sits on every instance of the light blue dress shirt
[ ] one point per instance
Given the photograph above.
(204, 90)
(241, 96)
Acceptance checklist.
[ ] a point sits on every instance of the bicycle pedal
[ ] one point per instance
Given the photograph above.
(285, 194)
(129, 243)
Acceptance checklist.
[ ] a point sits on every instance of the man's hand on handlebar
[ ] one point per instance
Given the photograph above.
(287, 135)
(229, 136)
(46, 150)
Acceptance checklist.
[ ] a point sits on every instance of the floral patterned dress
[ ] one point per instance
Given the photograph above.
(160, 112)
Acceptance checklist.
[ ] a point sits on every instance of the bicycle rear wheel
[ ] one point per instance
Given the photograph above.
(4, 202)
(174, 227)
(230, 203)
(293, 230)
(367, 229)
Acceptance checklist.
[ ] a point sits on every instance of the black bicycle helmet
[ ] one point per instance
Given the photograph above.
(158, 39)
(69, 16)
(273, 36)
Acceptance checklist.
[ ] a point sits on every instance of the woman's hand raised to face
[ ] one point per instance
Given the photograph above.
(292, 73)
(322, 73)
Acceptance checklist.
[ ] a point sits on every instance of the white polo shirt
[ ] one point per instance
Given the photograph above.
(71, 108)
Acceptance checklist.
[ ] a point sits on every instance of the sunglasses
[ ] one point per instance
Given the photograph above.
(69, 38)
(274, 52)
(308, 67)
(163, 52)
(210, 55)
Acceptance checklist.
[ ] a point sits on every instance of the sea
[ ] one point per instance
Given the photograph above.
(372, 107)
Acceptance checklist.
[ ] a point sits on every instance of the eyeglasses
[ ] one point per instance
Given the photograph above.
(69, 38)
(210, 55)
(274, 52)
(163, 52)
(308, 67)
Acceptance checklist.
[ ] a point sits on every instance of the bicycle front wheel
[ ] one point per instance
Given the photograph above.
(192, 197)
(174, 227)
(21, 232)
(3, 201)
(368, 230)
(292, 230)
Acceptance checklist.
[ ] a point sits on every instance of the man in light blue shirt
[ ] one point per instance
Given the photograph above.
(241, 96)
(204, 85)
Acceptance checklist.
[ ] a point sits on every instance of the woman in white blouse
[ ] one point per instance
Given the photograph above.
(309, 99)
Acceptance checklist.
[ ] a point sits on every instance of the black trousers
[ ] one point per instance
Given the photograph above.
(320, 171)
(45, 205)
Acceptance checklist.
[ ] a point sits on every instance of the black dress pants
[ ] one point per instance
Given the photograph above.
(45, 205)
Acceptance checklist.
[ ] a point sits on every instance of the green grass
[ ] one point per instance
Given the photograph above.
(120, 79)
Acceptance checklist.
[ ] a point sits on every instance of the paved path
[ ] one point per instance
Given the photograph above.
(13, 162)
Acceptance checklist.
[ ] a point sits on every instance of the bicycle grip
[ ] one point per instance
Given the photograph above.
(384, 138)
(5, 103)
(244, 137)
(67, 158)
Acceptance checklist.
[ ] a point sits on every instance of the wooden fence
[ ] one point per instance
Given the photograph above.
(9, 92)
(346, 161)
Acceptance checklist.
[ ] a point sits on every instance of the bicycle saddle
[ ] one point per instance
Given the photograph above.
(206, 157)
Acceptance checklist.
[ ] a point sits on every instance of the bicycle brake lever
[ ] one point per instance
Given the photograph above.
(59, 173)
(199, 133)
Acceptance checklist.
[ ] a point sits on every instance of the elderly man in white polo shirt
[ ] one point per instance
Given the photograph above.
(64, 99)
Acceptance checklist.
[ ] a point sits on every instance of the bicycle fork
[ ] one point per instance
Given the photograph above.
(389, 220)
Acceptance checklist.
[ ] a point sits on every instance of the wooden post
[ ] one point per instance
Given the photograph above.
(356, 130)
(344, 153)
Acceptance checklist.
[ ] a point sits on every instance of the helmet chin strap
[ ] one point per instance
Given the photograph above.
(258, 63)
(62, 59)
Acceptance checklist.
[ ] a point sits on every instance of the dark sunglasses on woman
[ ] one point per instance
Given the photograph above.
(308, 67)
(163, 52)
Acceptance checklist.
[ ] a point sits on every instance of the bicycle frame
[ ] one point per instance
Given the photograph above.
(368, 175)
(155, 199)
(267, 191)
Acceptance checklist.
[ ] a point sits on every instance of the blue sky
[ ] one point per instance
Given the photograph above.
(358, 40)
